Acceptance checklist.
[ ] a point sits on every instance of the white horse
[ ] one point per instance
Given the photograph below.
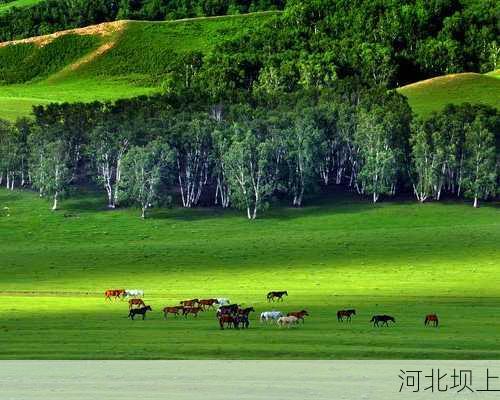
(287, 321)
(134, 293)
(222, 301)
(270, 316)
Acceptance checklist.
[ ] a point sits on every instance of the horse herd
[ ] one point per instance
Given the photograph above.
(234, 316)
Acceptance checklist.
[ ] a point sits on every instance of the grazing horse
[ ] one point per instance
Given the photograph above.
(347, 314)
(299, 314)
(208, 303)
(172, 310)
(133, 293)
(382, 318)
(245, 311)
(276, 295)
(432, 318)
(191, 310)
(189, 303)
(267, 316)
(113, 293)
(136, 302)
(134, 311)
(287, 321)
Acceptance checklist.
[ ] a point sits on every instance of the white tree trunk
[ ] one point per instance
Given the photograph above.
(476, 202)
(54, 207)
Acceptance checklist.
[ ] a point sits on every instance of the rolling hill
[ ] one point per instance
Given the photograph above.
(124, 59)
(433, 94)
(109, 61)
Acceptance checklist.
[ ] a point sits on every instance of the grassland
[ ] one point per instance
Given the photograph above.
(401, 258)
(433, 94)
(132, 58)
(4, 7)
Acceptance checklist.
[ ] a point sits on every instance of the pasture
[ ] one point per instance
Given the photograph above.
(399, 258)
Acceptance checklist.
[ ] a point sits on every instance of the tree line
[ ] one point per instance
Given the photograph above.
(153, 150)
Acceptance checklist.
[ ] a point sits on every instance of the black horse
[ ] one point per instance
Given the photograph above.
(276, 295)
(231, 309)
(134, 311)
(382, 318)
(345, 313)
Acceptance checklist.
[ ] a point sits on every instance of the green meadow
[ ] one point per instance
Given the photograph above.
(433, 94)
(399, 258)
(4, 7)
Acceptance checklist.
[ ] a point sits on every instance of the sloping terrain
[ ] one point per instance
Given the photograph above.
(433, 94)
(105, 62)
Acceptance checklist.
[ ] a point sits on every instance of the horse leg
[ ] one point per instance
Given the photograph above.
(143, 316)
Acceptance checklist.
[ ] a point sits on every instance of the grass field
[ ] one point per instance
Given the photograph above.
(4, 7)
(116, 69)
(400, 258)
(433, 94)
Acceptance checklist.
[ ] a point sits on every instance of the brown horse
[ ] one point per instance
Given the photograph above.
(208, 303)
(191, 310)
(172, 310)
(136, 302)
(347, 314)
(229, 320)
(189, 303)
(298, 314)
(113, 293)
(245, 311)
(276, 295)
(431, 318)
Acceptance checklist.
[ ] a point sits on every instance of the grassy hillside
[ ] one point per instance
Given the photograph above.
(404, 259)
(106, 62)
(17, 3)
(433, 94)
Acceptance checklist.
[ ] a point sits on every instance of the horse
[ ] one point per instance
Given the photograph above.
(134, 311)
(278, 295)
(115, 293)
(229, 320)
(222, 301)
(229, 309)
(189, 303)
(431, 318)
(136, 302)
(172, 310)
(242, 320)
(133, 293)
(208, 303)
(299, 314)
(345, 313)
(287, 321)
(191, 310)
(270, 316)
(245, 311)
(382, 318)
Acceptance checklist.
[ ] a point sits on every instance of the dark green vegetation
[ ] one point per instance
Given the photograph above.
(405, 259)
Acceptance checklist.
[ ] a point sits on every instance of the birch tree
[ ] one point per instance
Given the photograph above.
(192, 148)
(249, 168)
(142, 174)
(425, 163)
(300, 144)
(379, 159)
(221, 142)
(50, 172)
(109, 143)
(480, 171)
